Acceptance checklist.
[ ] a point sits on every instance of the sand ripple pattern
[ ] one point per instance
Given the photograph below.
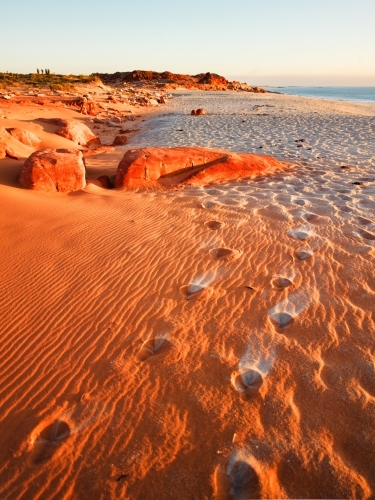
(229, 326)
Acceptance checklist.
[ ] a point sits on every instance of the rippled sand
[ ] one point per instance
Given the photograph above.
(208, 342)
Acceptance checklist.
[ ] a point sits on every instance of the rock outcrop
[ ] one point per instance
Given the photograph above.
(167, 81)
(25, 136)
(4, 134)
(3, 142)
(3, 149)
(60, 170)
(141, 167)
(78, 133)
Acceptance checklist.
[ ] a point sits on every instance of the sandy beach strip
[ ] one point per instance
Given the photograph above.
(206, 342)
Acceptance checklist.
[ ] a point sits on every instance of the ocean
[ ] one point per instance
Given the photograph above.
(354, 94)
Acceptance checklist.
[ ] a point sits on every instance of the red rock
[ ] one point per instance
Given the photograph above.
(213, 79)
(140, 167)
(10, 153)
(54, 170)
(25, 136)
(193, 112)
(105, 182)
(4, 135)
(3, 148)
(120, 140)
(78, 133)
(201, 111)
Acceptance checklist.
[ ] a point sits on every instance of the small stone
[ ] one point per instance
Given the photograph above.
(120, 140)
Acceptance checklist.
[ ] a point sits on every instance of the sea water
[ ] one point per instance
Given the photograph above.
(354, 94)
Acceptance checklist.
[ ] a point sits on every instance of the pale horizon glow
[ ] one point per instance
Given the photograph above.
(277, 43)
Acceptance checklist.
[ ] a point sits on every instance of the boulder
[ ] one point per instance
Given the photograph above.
(78, 133)
(140, 167)
(25, 136)
(201, 111)
(10, 153)
(3, 148)
(4, 135)
(193, 112)
(120, 140)
(54, 170)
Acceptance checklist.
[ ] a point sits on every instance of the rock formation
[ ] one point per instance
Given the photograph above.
(167, 80)
(54, 170)
(25, 136)
(141, 167)
(3, 148)
(78, 133)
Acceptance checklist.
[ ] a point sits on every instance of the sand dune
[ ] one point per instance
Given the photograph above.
(209, 342)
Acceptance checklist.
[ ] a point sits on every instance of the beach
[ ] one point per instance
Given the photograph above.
(194, 342)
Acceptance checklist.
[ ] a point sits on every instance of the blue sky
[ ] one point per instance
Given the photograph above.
(275, 42)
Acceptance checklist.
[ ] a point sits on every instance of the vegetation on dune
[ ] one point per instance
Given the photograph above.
(44, 79)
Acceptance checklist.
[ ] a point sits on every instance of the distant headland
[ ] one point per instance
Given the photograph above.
(171, 81)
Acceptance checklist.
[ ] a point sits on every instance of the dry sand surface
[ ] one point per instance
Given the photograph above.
(197, 343)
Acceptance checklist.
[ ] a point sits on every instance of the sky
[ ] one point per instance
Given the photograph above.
(274, 42)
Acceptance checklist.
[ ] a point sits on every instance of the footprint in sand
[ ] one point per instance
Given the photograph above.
(225, 254)
(309, 217)
(280, 282)
(247, 382)
(151, 347)
(214, 225)
(196, 292)
(284, 313)
(303, 253)
(301, 233)
(49, 439)
(239, 482)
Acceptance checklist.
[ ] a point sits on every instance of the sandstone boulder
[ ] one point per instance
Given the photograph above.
(78, 133)
(25, 136)
(54, 170)
(140, 167)
(4, 135)
(120, 140)
(193, 112)
(3, 148)
(10, 153)
(201, 111)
